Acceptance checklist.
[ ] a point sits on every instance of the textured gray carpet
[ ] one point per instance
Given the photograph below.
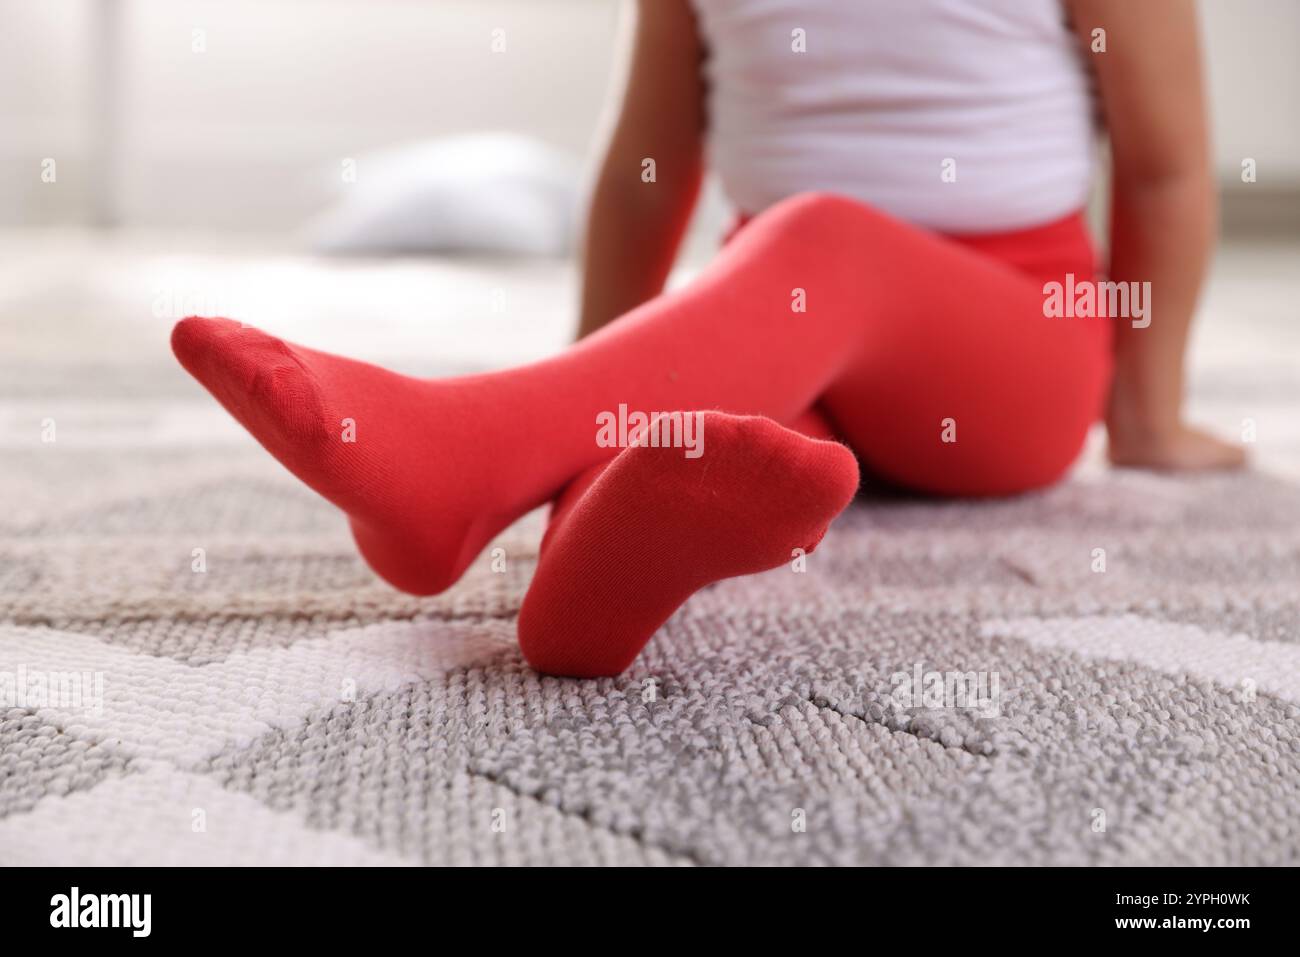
(282, 706)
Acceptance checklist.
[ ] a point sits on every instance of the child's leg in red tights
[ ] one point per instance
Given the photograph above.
(902, 330)
(631, 539)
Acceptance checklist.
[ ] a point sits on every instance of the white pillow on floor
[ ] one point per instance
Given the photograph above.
(495, 193)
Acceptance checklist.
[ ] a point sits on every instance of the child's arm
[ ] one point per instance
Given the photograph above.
(1163, 218)
(634, 227)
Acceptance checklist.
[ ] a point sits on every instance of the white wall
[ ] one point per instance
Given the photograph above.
(1253, 55)
(43, 109)
(244, 134)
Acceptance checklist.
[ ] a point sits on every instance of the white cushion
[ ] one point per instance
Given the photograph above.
(477, 193)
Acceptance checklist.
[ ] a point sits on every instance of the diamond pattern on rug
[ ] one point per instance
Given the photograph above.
(282, 706)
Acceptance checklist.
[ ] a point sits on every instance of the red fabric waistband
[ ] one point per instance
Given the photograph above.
(1045, 252)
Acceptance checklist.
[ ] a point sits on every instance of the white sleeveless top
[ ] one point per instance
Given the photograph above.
(963, 116)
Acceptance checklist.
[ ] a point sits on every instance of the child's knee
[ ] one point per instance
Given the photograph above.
(825, 212)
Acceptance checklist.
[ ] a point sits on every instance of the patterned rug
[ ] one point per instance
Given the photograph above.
(200, 670)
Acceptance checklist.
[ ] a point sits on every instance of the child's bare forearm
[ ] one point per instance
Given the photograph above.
(633, 231)
(1162, 233)
(650, 176)
(1147, 61)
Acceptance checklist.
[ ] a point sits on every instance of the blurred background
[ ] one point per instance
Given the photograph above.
(226, 113)
(167, 157)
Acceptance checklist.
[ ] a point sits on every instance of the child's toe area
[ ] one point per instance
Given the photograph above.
(260, 380)
(195, 336)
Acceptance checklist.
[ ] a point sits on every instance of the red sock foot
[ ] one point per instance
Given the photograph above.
(401, 456)
(654, 527)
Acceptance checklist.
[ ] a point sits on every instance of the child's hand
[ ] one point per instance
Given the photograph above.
(1180, 449)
